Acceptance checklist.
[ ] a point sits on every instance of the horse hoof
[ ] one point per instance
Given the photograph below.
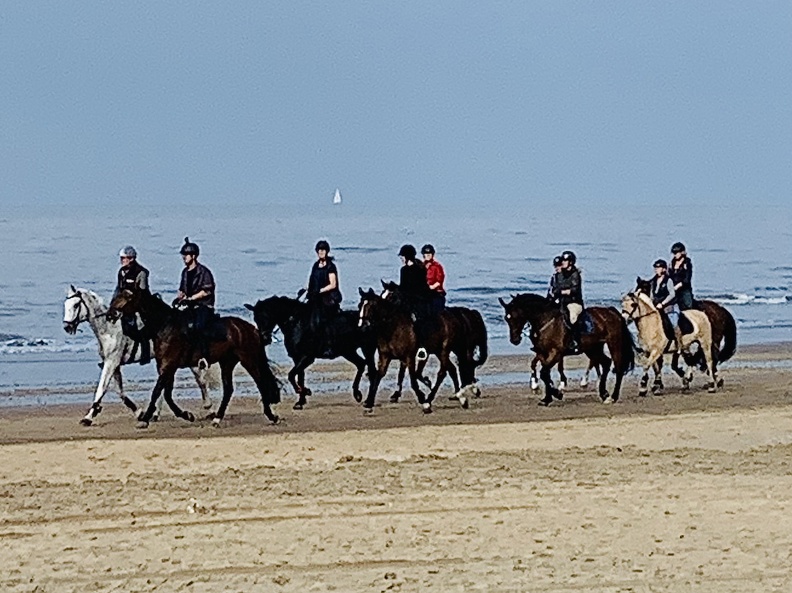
(643, 392)
(368, 411)
(358, 395)
(544, 403)
(711, 388)
(297, 406)
(720, 383)
(608, 400)
(394, 399)
(86, 421)
(583, 383)
(188, 416)
(207, 404)
(210, 416)
(562, 386)
(275, 419)
(476, 391)
(465, 403)
(155, 418)
(142, 424)
(216, 422)
(306, 392)
(558, 395)
(427, 408)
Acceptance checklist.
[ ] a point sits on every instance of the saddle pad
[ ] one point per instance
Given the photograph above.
(586, 323)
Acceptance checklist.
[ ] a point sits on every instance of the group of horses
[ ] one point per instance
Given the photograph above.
(383, 325)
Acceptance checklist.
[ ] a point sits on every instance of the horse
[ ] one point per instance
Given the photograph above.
(293, 318)
(115, 348)
(395, 335)
(548, 335)
(234, 341)
(724, 329)
(466, 336)
(638, 307)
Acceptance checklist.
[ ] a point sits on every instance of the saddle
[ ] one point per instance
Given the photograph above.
(584, 321)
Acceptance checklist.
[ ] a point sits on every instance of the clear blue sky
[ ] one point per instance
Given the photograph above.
(426, 102)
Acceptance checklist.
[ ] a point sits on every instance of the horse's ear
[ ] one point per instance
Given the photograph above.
(638, 280)
(249, 307)
(371, 292)
(502, 302)
(360, 290)
(384, 284)
(73, 290)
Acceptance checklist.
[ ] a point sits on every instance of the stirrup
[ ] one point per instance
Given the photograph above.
(421, 354)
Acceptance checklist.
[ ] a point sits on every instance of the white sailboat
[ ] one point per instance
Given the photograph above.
(337, 197)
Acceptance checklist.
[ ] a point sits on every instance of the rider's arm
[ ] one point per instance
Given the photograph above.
(142, 281)
(332, 283)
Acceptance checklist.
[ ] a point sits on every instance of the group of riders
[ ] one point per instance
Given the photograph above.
(421, 286)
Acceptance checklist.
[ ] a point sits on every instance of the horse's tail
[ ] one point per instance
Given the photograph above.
(626, 346)
(480, 331)
(272, 384)
(730, 338)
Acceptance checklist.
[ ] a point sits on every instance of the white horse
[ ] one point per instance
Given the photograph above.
(115, 349)
(638, 307)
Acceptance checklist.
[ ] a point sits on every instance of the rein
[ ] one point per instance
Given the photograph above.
(77, 320)
(631, 314)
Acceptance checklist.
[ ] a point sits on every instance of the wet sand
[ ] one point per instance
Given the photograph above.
(680, 492)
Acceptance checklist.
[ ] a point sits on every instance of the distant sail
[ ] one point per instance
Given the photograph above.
(337, 197)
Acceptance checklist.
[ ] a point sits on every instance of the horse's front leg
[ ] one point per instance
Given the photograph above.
(416, 387)
(544, 374)
(108, 371)
(382, 368)
(119, 380)
(657, 385)
(649, 363)
(396, 396)
(144, 418)
(534, 376)
(360, 366)
(562, 383)
(299, 371)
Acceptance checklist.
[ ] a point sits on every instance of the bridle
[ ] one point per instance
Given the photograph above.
(635, 306)
(78, 317)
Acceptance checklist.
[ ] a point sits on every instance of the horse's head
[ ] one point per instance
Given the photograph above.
(392, 293)
(644, 286)
(266, 315)
(126, 302)
(75, 310)
(631, 306)
(516, 319)
(369, 301)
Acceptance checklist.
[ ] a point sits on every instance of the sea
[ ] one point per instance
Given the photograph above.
(741, 253)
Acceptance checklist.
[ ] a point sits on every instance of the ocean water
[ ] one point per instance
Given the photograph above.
(742, 256)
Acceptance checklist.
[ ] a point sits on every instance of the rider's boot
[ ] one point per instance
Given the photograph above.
(145, 352)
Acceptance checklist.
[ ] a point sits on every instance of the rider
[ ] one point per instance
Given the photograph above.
(435, 278)
(556, 270)
(664, 296)
(414, 286)
(197, 289)
(568, 291)
(324, 295)
(681, 273)
(133, 276)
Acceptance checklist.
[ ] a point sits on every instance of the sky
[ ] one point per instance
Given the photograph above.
(423, 103)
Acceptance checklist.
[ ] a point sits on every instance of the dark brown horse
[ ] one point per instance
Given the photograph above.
(458, 330)
(724, 332)
(396, 340)
(549, 337)
(234, 341)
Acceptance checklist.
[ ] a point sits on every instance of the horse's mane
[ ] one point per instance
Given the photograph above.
(90, 293)
(530, 300)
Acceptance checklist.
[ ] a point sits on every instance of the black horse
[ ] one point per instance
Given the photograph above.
(234, 341)
(458, 330)
(549, 337)
(304, 345)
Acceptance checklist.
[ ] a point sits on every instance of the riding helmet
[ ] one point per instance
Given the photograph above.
(428, 248)
(128, 251)
(661, 263)
(568, 256)
(557, 261)
(678, 247)
(407, 251)
(189, 248)
(322, 244)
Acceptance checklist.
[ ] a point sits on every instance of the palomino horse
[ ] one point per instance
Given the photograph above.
(293, 318)
(463, 331)
(638, 307)
(548, 335)
(115, 348)
(235, 341)
(724, 330)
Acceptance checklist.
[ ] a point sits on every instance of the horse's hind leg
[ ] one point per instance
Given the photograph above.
(148, 413)
(605, 364)
(382, 367)
(534, 377)
(657, 385)
(550, 389)
(299, 372)
(227, 378)
(360, 366)
(562, 383)
(263, 378)
(201, 379)
(168, 396)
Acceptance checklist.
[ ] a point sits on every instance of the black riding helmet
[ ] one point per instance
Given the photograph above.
(189, 248)
(407, 251)
(322, 244)
(568, 256)
(661, 263)
(557, 261)
(678, 247)
(428, 248)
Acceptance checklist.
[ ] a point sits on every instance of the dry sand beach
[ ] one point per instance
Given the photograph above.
(683, 492)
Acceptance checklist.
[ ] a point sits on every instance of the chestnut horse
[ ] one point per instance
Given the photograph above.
(234, 340)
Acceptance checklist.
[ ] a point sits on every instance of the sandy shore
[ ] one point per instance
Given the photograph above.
(683, 492)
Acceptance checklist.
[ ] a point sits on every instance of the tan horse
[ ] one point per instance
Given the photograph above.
(638, 307)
